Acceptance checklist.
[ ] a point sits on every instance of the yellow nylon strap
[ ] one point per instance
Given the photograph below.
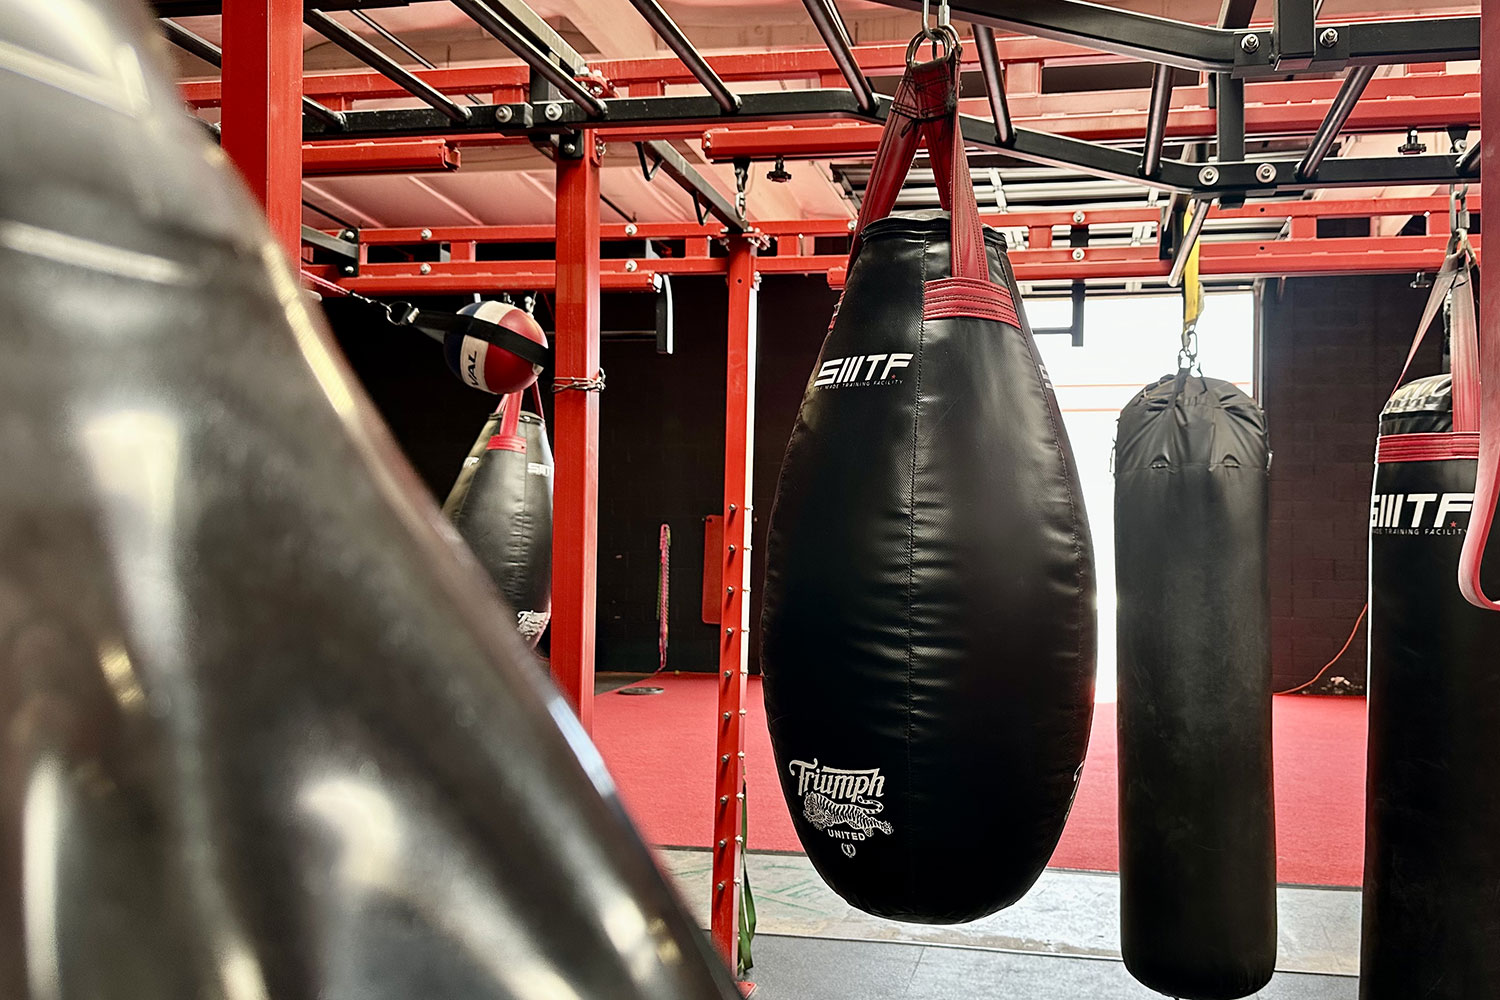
(1192, 288)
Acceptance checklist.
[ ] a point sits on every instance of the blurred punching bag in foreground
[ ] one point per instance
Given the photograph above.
(502, 505)
(265, 734)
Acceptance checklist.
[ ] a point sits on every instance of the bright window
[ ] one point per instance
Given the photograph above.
(1127, 343)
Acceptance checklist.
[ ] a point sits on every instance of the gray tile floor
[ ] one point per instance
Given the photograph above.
(803, 968)
(1061, 941)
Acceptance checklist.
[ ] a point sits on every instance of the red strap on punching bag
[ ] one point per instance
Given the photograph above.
(925, 107)
(507, 437)
(1485, 382)
(1476, 405)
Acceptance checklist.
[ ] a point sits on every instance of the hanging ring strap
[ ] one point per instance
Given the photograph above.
(925, 108)
(1455, 276)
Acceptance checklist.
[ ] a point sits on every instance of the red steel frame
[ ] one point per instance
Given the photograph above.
(1303, 253)
(734, 617)
(575, 516)
(262, 115)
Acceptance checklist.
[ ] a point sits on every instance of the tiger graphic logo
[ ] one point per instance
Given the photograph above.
(845, 804)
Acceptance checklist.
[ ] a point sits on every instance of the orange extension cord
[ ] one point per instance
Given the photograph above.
(1347, 643)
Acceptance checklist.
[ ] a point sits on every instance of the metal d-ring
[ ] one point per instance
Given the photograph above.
(942, 33)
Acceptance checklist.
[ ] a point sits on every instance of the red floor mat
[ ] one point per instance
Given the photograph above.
(661, 752)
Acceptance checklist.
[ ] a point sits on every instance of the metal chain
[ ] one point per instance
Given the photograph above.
(595, 384)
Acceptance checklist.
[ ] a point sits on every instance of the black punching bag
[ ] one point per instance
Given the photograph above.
(928, 628)
(1432, 802)
(502, 505)
(265, 736)
(1197, 817)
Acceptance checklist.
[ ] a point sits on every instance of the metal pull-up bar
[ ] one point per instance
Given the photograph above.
(483, 15)
(994, 83)
(1190, 236)
(385, 65)
(661, 22)
(1156, 119)
(1338, 114)
(825, 17)
(214, 56)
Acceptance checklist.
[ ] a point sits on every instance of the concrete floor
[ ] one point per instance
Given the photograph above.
(1061, 941)
(801, 968)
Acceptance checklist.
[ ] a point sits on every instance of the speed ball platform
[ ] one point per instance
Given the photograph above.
(1062, 939)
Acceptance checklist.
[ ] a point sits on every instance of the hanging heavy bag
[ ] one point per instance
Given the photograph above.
(1432, 804)
(928, 629)
(1197, 830)
(502, 506)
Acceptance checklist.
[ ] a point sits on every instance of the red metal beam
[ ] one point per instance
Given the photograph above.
(1320, 208)
(575, 538)
(734, 616)
(390, 156)
(1239, 259)
(262, 119)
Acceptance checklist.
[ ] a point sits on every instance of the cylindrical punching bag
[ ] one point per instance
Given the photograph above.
(928, 629)
(1432, 803)
(502, 505)
(1197, 815)
(265, 736)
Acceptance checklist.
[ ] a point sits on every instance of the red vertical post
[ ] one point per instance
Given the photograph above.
(734, 619)
(575, 518)
(262, 108)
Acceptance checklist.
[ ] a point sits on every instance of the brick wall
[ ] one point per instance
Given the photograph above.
(1332, 349)
(661, 441)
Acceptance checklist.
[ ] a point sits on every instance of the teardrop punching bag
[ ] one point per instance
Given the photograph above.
(502, 506)
(265, 735)
(1197, 816)
(1432, 803)
(928, 627)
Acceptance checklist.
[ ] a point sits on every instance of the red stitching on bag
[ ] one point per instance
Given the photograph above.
(1432, 447)
(946, 297)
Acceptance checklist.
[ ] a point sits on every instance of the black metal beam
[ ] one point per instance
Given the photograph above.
(838, 22)
(203, 8)
(1108, 29)
(661, 22)
(533, 55)
(1468, 160)
(1433, 39)
(519, 15)
(1156, 119)
(1220, 50)
(385, 33)
(994, 83)
(345, 248)
(383, 64)
(213, 55)
(1293, 35)
(823, 13)
(1338, 113)
(704, 193)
